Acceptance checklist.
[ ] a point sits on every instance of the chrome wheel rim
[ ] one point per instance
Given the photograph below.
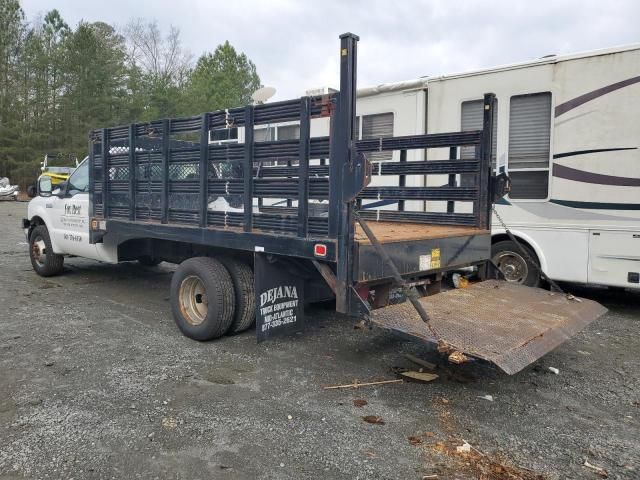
(39, 251)
(193, 300)
(513, 266)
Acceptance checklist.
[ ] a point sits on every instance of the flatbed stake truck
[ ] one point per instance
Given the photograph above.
(260, 227)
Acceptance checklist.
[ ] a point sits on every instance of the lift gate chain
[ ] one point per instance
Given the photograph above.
(531, 260)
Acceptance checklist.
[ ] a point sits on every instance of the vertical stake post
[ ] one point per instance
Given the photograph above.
(166, 154)
(303, 167)
(483, 214)
(247, 168)
(341, 219)
(204, 169)
(132, 172)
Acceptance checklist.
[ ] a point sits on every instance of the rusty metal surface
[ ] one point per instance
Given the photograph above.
(506, 324)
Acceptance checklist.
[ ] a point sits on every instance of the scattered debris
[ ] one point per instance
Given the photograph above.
(289, 417)
(281, 465)
(49, 363)
(430, 477)
(486, 397)
(419, 376)
(375, 419)
(599, 470)
(360, 325)
(458, 358)
(357, 384)
(413, 440)
(459, 281)
(464, 448)
(360, 402)
(582, 352)
(370, 453)
(480, 465)
(169, 423)
(419, 361)
(554, 370)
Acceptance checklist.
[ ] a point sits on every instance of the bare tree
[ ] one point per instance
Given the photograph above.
(160, 56)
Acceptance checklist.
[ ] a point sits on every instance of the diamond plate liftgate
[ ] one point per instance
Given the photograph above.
(506, 324)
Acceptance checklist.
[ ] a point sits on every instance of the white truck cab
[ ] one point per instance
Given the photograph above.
(58, 224)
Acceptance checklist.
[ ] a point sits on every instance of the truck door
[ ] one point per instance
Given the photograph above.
(70, 216)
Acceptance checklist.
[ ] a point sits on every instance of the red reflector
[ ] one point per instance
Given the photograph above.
(320, 250)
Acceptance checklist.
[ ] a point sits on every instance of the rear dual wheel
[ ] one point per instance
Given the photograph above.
(210, 298)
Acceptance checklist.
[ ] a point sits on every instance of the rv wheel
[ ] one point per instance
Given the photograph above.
(242, 277)
(513, 263)
(202, 298)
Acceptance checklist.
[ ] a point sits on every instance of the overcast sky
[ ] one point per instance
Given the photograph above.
(294, 44)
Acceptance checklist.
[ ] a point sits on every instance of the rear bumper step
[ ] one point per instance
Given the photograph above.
(509, 325)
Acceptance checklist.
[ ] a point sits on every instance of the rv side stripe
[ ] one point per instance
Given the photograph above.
(587, 97)
(597, 205)
(595, 150)
(576, 175)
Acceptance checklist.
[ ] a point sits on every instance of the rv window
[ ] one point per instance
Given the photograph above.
(376, 126)
(288, 132)
(223, 134)
(471, 119)
(529, 144)
(529, 131)
(529, 185)
(265, 133)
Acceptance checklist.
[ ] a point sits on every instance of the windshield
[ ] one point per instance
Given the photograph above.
(79, 180)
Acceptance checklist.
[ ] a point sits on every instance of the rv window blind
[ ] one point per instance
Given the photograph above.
(529, 131)
(264, 134)
(376, 126)
(471, 116)
(288, 132)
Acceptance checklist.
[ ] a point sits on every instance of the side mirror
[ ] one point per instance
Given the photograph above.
(44, 186)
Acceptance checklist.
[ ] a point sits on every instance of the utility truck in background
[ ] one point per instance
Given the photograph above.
(264, 225)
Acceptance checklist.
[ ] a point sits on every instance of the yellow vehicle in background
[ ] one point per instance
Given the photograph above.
(58, 173)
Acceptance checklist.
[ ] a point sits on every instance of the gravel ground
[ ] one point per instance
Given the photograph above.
(97, 382)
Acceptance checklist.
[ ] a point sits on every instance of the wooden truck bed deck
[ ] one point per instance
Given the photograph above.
(390, 232)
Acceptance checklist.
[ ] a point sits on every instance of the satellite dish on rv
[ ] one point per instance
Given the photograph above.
(263, 94)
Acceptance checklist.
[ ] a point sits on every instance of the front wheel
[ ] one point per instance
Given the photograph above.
(514, 264)
(202, 298)
(44, 261)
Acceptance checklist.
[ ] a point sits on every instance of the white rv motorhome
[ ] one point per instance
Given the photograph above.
(567, 132)
(568, 135)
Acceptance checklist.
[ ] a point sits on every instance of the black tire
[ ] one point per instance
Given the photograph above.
(202, 298)
(149, 261)
(514, 265)
(43, 260)
(242, 277)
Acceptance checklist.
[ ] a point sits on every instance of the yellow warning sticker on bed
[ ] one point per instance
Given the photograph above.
(435, 258)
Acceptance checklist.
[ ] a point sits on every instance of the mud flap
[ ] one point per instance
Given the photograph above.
(509, 325)
(279, 297)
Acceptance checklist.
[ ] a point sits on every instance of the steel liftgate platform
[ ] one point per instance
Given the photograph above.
(509, 325)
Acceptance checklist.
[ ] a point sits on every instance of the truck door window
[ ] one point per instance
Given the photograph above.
(529, 145)
(79, 180)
